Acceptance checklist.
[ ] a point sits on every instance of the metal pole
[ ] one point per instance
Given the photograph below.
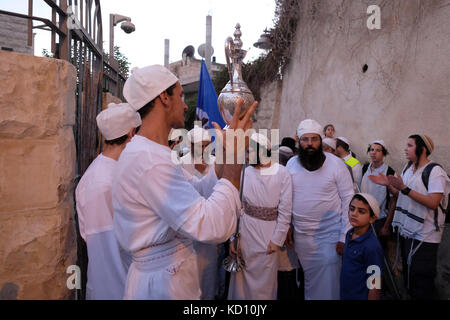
(111, 38)
(30, 23)
(166, 53)
(208, 45)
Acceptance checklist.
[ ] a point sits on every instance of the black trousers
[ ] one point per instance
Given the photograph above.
(422, 270)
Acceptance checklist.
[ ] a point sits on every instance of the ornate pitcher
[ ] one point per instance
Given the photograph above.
(236, 87)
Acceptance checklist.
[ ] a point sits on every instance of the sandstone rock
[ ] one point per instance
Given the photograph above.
(37, 169)
(32, 104)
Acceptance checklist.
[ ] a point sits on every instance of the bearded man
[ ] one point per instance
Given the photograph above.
(322, 191)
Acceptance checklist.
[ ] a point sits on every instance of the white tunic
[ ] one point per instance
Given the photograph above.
(258, 281)
(321, 200)
(108, 264)
(207, 253)
(157, 214)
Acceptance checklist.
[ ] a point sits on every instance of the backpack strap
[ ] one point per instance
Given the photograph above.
(426, 179)
(407, 167)
(389, 172)
(364, 168)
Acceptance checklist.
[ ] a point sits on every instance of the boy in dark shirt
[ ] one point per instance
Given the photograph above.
(362, 262)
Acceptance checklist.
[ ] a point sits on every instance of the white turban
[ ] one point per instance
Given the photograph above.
(261, 140)
(309, 126)
(146, 84)
(117, 120)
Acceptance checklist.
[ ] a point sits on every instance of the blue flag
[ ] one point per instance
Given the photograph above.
(207, 110)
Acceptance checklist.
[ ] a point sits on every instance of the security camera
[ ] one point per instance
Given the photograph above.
(128, 27)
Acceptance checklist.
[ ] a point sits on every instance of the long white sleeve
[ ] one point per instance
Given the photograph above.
(284, 210)
(175, 200)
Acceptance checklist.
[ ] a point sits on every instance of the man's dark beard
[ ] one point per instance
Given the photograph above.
(311, 161)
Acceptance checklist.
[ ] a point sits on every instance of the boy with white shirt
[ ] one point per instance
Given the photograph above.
(377, 151)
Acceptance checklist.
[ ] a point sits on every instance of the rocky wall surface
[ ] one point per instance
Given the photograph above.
(37, 168)
(405, 89)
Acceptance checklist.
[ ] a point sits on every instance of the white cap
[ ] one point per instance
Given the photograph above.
(260, 139)
(373, 203)
(309, 126)
(117, 120)
(380, 142)
(198, 134)
(344, 140)
(286, 151)
(330, 142)
(145, 84)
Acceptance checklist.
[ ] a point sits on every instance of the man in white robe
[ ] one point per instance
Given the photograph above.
(157, 211)
(194, 165)
(108, 263)
(267, 195)
(322, 191)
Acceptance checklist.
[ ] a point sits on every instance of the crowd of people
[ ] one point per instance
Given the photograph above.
(312, 224)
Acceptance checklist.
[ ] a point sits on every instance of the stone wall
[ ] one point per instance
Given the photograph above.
(268, 111)
(405, 90)
(14, 34)
(37, 168)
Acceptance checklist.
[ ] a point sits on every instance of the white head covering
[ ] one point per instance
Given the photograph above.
(344, 140)
(198, 134)
(373, 203)
(145, 84)
(260, 139)
(330, 142)
(380, 142)
(286, 151)
(116, 120)
(309, 126)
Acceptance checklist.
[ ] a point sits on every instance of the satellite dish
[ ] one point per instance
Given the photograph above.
(189, 51)
(202, 50)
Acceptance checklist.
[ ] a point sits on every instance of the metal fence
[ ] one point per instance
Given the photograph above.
(77, 36)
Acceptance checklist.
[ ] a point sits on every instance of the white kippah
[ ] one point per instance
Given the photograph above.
(344, 140)
(373, 203)
(146, 84)
(330, 142)
(309, 126)
(380, 142)
(117, 120)
(286, 151)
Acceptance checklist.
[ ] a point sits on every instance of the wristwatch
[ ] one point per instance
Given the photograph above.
(406, 191)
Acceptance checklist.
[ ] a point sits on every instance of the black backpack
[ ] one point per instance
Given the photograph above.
(425, 179)
(389, 172)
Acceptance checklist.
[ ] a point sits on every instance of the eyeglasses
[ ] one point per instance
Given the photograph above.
(313, 139)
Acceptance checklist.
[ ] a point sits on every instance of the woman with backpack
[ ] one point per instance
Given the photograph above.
(419, 214)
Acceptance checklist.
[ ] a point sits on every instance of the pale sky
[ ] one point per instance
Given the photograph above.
(182, 22)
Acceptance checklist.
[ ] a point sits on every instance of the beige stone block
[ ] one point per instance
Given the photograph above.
(36, 248)
(36, 95)
(36, 173)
